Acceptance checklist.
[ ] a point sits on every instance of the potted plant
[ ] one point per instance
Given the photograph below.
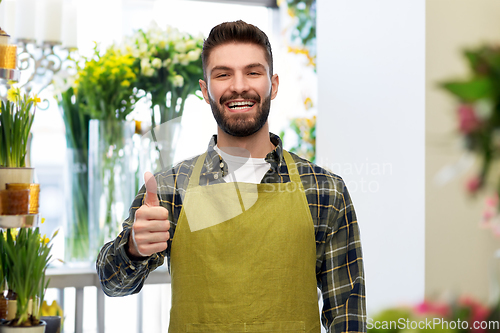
(26, 255)
(16, 117)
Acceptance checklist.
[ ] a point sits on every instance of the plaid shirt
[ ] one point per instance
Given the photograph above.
(339, 263)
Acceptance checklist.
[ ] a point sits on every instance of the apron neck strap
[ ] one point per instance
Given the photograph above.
(292, 168)
(194, 180)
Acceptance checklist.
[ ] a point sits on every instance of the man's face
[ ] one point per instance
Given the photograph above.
(239, 88)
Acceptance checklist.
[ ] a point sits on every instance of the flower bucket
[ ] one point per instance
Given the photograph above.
(53, 324)
(23, 329)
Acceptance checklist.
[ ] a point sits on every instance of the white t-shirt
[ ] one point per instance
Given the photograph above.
(243, 169)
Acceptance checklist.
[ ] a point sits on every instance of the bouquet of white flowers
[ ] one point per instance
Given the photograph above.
(168, 65)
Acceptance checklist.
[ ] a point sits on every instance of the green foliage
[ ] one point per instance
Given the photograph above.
(2, 265)
(77, 138)
(305, 28)
(26, 257)
(75, 120)
(305, 131)
(470, 91)
(16, 119)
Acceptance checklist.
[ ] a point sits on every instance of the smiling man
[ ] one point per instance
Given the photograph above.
(250, 230)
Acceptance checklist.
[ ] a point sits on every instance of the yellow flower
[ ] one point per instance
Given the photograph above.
(13, 94)
(125, 83)
(44, 240)
(308, 103)
(13, 233)
(35, 99)
(53, 310)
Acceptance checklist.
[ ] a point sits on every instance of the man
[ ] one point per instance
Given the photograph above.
(250, 231)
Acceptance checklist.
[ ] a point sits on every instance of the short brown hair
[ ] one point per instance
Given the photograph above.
(237, 31)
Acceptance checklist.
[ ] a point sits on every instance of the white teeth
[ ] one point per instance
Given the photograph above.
(240, 105)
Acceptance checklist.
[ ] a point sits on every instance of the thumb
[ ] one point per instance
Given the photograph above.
(151, 198)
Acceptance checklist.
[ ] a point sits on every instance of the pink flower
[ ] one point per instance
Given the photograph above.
(473, 184)
(478, 312)
(433, 308)
(467, 119)
(492, 201)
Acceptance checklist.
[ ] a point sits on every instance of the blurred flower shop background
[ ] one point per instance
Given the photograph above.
(402, 99)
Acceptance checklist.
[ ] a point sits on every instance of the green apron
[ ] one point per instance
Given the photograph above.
(243, 258)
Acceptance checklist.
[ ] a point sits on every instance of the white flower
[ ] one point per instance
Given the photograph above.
(156, 63)
(63, 81)
(145, 63)
(194, 55)
(135, 53)
(178, 81)
(175, 59)
(183, 59)
(190, 44)
(146, 68)
(180, 47)
(148, 71)
(143, 49)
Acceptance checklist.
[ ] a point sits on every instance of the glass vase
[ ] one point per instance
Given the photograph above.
(112, 178)
(77, 235)
(159, 146)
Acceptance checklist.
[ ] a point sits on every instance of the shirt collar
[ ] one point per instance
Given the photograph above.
(275, 157)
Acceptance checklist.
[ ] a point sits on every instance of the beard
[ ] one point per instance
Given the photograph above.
(241, 124)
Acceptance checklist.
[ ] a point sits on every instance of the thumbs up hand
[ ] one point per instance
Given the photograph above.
(150, 229)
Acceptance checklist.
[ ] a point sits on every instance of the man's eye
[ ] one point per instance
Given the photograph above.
(221, 75)
(254, 73)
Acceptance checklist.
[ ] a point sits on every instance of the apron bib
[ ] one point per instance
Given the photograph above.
(243, 258)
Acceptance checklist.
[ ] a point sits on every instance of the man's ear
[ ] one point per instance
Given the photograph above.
(275, 82)
(204, 90)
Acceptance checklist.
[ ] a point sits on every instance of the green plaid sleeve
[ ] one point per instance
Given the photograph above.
(342, 274)
(118, 274)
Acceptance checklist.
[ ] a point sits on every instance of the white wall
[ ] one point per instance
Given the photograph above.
(371, 69)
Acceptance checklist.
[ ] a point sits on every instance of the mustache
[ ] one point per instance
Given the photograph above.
(224, 99)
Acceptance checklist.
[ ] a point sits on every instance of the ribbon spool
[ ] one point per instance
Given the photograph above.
(8, 56)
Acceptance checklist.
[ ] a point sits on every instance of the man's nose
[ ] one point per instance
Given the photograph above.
(239, 83)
